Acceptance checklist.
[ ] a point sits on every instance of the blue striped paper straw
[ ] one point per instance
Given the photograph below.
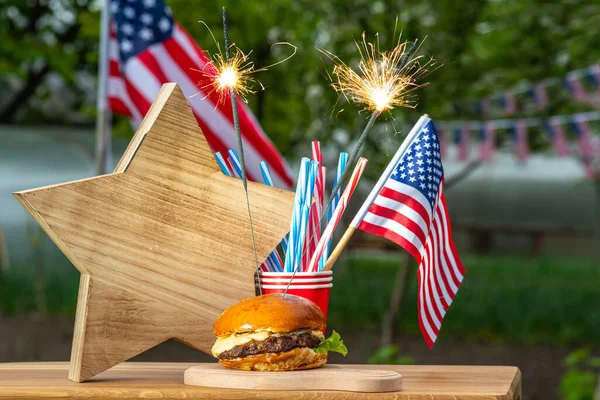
(222, 164)
(266, 173)
(306, 203)
(343, 159)
(235, 163)
(295, 221)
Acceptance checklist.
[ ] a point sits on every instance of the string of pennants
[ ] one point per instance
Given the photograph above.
(583, 85)
(558, 129)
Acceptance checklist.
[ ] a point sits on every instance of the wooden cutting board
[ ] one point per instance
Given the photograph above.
(328, 377)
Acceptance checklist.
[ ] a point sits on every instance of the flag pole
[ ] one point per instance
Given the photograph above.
(374, 192)
(103, 113)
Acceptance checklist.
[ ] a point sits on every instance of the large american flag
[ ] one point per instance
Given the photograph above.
(148, 48)
(408, 207)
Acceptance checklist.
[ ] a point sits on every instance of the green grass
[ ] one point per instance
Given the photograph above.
(509, 299)
(501, 299)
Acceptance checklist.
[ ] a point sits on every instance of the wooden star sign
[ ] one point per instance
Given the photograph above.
(163, 244)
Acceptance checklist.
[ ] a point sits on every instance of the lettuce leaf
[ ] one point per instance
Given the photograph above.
(332, 343)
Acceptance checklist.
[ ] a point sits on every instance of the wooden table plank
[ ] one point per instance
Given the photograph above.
(165, 381)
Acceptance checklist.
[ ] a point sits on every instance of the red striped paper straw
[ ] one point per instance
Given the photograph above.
(313, 234)
(337, 214)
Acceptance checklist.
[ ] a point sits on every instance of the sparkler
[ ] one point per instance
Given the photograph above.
(233, 70)
(384, 80)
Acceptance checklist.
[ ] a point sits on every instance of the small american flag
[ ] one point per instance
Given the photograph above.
(558, 137)
(509, 102)
(540, 96)
(148, 48)
(408, 207)
(521, 140)
(488, 143)
(576, 88)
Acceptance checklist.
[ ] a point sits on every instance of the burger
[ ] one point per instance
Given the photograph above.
(273, 333)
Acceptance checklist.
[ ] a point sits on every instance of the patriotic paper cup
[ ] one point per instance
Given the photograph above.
(314, 286)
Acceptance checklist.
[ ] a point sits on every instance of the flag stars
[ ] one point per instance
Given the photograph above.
(403, 176)
(127, 29)
(149, 3)
(164, 24)
(412, 179)
(129, 12)
(146, 18)
(126, 46)
(419, 162)
(146, 34)
(114, 7)
(411, 171)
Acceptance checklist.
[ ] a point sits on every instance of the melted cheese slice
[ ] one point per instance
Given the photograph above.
(229, 342)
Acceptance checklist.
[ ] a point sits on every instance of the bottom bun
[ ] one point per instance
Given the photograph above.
(298, 358)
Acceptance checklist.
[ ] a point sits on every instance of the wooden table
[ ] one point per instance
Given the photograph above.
(165, 381)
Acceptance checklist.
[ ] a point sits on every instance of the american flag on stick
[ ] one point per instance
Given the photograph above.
(408, 207)
(147, 48)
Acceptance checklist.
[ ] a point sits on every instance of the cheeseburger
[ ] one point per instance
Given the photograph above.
(271, 333)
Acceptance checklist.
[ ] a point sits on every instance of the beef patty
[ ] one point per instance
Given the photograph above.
(273, 344)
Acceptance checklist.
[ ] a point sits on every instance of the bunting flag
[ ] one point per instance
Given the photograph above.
(540, 96)
(594, 77)
(576, 88)
(442, 134)
(558, 137)
(509, 102)
(486, 149)
(521, 141)
(463, 138)
(587, 147)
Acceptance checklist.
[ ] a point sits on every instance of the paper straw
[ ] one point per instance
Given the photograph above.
(266, 173)
(235, 163)
(222, 163)
(306, 204)
(335, 198)
(337, 214)
(292, 238)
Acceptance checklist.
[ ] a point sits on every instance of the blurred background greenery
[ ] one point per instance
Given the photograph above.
(518, 306)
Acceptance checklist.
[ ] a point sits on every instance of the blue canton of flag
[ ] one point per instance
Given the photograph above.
(421, 166)
(140, 24)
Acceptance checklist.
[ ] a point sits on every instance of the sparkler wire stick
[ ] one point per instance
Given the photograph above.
(236, 124)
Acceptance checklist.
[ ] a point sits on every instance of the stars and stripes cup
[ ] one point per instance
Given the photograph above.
(314, 286)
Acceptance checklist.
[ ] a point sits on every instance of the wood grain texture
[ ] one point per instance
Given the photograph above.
(165, 381)
(328, 377)
(163, 243)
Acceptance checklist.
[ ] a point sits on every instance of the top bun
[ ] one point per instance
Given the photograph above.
(270, 313)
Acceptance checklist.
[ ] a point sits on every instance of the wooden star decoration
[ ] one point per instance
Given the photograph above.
(163, 244)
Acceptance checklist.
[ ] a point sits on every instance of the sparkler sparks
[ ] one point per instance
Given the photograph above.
(222, 75)
(383, 80)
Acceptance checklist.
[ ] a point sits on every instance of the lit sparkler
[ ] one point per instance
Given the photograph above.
(233, 71)
(383, 80)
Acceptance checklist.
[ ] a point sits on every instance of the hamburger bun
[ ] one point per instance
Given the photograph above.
(270, 313)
